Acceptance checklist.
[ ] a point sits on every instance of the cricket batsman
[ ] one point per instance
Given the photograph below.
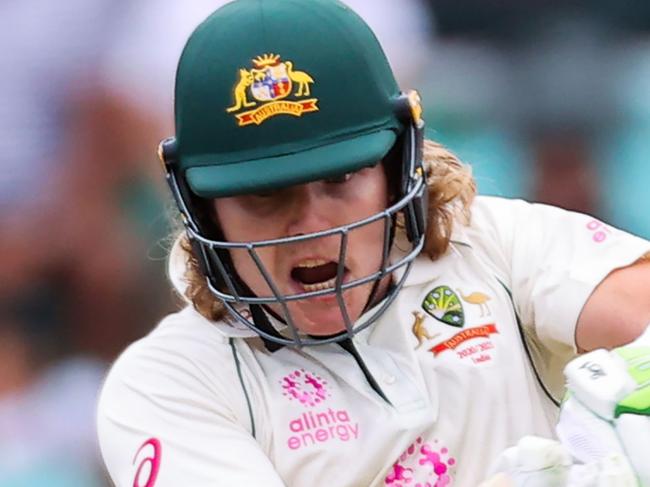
(355, 314)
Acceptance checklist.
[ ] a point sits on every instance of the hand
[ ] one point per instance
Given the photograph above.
(604, 427)
(533, 462)
(607, 411)
(540, 462)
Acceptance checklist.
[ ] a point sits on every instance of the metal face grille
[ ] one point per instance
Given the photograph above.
(235, 299)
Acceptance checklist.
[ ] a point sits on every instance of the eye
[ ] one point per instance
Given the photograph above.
(340, 178)
(268, 193)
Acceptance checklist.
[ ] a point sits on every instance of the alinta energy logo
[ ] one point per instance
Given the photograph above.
(306, 388)
(319, 424)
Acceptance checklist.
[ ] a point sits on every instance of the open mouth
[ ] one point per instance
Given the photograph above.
(315, 274)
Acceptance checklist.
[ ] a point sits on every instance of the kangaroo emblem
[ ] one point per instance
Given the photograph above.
(245, 80)
(419, 330)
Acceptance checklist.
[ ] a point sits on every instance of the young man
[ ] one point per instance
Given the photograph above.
(348, 323)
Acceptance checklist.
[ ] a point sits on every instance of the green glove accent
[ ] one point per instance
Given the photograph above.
(638, 367)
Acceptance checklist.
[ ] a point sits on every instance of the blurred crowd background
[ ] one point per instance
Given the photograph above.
(549, 101)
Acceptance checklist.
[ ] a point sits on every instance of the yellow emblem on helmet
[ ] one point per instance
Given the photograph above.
(415, 103)
(264, 90)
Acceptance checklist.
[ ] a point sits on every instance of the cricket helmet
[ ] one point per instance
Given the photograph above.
(273, 93)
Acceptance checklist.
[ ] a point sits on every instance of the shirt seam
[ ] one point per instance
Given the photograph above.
(241, 381)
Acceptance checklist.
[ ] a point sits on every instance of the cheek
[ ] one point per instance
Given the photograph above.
(229, 220)
(370, 244)
(244, 221)
(377, 190)
(237, 224)
(367, 196)
(249, 272)
(367, 246)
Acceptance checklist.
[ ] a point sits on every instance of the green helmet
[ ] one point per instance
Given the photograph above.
(272, 93)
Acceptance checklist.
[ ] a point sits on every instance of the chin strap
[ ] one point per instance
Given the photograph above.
(373, 298)
(262, 321)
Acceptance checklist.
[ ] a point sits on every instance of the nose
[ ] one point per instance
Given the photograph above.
(310, 211)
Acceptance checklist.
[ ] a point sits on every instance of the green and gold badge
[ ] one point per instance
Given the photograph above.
(444, 305)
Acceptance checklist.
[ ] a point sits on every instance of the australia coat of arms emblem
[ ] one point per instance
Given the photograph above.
(263, 91)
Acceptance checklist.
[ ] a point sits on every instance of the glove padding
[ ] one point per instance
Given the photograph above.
(540, 462)
(607, 410)
(533, 462)
(604, 427)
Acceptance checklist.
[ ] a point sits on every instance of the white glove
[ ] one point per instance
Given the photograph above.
(533, 462)
(607, 412)
(604, 427)
(540, 462)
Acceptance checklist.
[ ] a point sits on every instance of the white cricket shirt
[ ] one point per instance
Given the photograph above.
(197, 403)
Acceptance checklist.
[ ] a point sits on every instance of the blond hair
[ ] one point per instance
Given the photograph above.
(451, 189)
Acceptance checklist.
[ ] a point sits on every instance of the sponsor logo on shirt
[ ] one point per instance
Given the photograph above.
(422, 465)
(325, 426)
(318, 425)
(304, 387)
(148, 459)
(599, 231)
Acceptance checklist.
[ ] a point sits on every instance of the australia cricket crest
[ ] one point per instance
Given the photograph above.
(272, 87)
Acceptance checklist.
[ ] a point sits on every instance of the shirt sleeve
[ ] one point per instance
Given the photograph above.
(162, 422)
(553, 260)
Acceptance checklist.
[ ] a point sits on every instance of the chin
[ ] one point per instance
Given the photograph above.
(321, 330)
(321, 319)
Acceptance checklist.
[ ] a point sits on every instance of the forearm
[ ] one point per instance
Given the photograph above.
(618, 311)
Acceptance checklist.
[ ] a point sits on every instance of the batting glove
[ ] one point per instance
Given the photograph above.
(540, 462)
(604, 427)
(607, 410)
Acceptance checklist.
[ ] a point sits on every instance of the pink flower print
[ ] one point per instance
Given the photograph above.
(399, 474)
(438, 465)
(421, 466)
